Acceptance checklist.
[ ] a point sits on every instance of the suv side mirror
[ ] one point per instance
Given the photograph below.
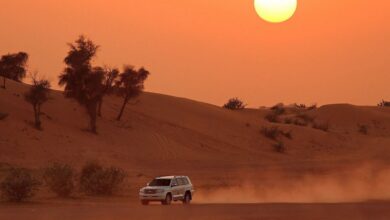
(147, 184)
(174, 185)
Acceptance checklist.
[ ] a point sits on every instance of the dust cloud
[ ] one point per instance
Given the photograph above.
(365, 183)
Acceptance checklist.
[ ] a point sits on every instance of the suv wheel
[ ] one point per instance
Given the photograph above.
(168, 199)
(145, 202)
(187, 198)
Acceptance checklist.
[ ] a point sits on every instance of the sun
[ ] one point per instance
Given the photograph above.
(276, 11)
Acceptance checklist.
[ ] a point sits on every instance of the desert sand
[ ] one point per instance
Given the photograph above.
(341, 173)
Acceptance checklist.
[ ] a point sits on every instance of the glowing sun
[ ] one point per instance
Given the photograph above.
(276, 11)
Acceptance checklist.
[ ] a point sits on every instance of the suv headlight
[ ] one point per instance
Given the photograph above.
(160, 190)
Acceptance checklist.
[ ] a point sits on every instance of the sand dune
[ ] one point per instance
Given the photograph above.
(216, 147)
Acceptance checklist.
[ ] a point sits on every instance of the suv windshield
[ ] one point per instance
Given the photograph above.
(160, 182)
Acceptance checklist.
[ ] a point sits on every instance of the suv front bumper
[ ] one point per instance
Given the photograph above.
(152, 197)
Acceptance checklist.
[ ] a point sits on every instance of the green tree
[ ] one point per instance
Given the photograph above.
(83, 82)
(13, 66)
(130, 85)
(110, 76)
(37, 95)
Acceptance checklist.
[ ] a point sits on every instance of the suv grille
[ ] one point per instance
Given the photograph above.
(150, 191)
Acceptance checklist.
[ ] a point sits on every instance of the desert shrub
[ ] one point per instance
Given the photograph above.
(272, 117)
(363, 129)
(305, 107)
(60, 179)
(271, 133)
(312, 107)
(3, 116)
(234, 104)
(274, 132)
(321, 126)
(278, 109)
(279, 147)
(306, 118)
(300, 106)
(384, 103)
(300, 122)
(18, 185)
(98, 180)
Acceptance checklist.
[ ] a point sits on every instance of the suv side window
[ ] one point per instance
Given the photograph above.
(180, 181)
(185, 181)
(174, 182)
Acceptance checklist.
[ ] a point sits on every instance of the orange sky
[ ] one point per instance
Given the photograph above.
(210, 50)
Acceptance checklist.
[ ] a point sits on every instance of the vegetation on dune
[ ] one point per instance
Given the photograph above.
(98, 180)
(384, 103)
(130, 85)
(82, 81)
(18, 185)
(60, 179)
(274, 133)
(13, 66)
(234, 104)
(109, 80)
(37, 95)
(276, 111)
(88, 85)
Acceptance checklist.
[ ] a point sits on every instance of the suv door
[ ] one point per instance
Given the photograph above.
(175, 189)
(183, 186)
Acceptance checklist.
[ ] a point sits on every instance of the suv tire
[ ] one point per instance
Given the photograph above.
(168, 199)
(187, 198)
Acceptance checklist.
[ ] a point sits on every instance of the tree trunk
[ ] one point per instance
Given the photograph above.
(37, 113)
(4, 79)
(92, 113)
(123, 108)
(100, 107)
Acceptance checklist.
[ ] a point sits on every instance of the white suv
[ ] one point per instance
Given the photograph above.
(167, 189)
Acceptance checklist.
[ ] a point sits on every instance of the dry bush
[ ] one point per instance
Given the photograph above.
(305, 107)
(321, 126)
(272, 117)
(363, 129)
(312, 107)
(18, 185)
(300, 122)
(384, 103)
(60, 179)
(271, 133)
(306, 118)
(98, 180)
(234, 104)
(278, 109)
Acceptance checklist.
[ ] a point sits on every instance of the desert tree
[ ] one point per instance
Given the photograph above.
(130, 85)
(37, 95)
(384, 103)
(234, 104)
(13, 66)
(82, 82)
(110, 75)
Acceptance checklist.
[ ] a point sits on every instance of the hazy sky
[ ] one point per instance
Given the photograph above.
(210, 50)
